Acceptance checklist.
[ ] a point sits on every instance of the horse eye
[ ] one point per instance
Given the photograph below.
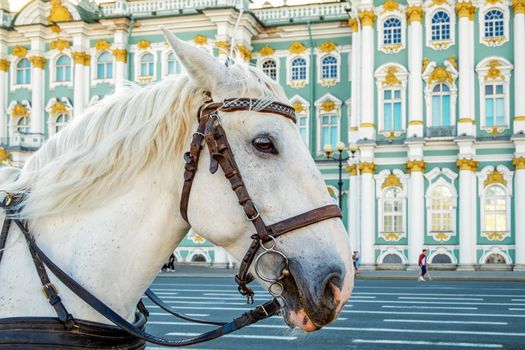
(264, 144)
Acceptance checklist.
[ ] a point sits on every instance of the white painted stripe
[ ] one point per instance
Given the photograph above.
(442, 294)
(431, 302)
(167, 314)
(516, 309)
(429, 307)
(440, 298)
(211, 308)
(241, 336)
(427, 343)
(428, 313)
(440, 331)
(163, 297)
(433, 287)
(164, 348)
(448, 321)
(517, 300)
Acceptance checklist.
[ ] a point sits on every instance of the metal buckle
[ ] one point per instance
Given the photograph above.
(48, 286)
(263, 310)
(8, 199)
(256, 215)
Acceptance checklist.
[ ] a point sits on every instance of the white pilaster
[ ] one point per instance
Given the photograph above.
(465, 11)
(367, 128)
(37, 89)
(415, 59)
(4, 69)
(79, 86)
(352, 205)
(519, 66)
(354, 116)
(467, 213)
(519, 209)
(368, 207)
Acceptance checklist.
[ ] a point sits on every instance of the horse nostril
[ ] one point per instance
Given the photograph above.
(331, 289)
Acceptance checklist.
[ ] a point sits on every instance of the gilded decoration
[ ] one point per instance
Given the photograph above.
(38, 61)
(367, 17)
(415, 122)
(266, 50)
(352, 169)
(19, 111)
(425, 63)
(55, 29)
(330, 191)
(415, 165)
(467, 120)
(59, 44)
(368, 125)
(200, 39)
(5, 156)
(518, 6)
(298, 106)
(58, 12)
(520, 118)
(392, 180)
(493, 2)
(352, 22)
(327, 46)
(519, 163)
(121, 55)
(438, 2)
(467, 164)
(495, 236)
(57, 109)
(144, 44)
(19, 51)
(391, 77)
(223, 46)
(415, 14)
(244, 52)
(493, 72)
(466, 9)
(78, 57)
(390, 6)
(87, 59)
(391, 237)
(196, 238)
(495, 177)
(440, 74)
(328, 106)
(102, 45)
(4, 65)
(453, 61)
(367, 167)
(442, 237)
(297, 48)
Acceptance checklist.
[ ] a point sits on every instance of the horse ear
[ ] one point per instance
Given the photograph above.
(202, 68)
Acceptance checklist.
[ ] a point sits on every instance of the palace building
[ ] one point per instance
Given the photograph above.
(431, 94)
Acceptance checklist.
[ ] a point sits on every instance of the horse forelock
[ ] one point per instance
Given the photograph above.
(112, 142)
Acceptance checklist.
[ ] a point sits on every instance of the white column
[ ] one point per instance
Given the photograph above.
(367, 126)
(519, 66)
(519, 209)
(467, 213)
(352, 205)
(4, 71)
(37, 98)
(416, 210)
(121, 57)
(78, 91)
(465, 11)
(415, 59)
(87, 79)
(354, 116)
(368, 214)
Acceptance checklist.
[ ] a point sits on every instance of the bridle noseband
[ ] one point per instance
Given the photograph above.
(211, 132)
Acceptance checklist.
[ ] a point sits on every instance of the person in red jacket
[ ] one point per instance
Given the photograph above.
(424, 266)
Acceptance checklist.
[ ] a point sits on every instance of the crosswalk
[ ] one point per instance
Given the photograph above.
(380, 315)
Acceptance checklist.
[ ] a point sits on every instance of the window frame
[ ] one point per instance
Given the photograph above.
(164, 64)
(320, 113)
(305, 113)
(482, 12)
(429, 15)
(301, 83)
(384, 14)
(275, 68)
(53, 70)
(384, 82)
(94, 68)
(381, 190)
(27, 70)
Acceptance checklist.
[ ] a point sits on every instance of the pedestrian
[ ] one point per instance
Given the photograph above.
(171, 262)
(424, 266)
(355, 259)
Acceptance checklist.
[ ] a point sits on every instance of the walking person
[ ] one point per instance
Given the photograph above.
(171, 263)
(424, 266)
(355, 259)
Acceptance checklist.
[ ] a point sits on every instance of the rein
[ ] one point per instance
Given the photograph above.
(211, 133)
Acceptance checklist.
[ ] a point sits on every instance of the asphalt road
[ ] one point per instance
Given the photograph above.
(383, 314)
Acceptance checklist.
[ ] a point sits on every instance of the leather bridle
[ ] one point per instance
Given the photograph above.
(211, 132)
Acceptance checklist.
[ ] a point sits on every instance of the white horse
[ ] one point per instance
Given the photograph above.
(102, 197)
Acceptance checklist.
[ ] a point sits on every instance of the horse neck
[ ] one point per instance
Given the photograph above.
(116, 250)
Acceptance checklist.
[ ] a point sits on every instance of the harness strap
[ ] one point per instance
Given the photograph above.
(3, 235)
(261, 312)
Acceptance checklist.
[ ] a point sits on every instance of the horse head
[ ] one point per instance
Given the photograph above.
(283, 181)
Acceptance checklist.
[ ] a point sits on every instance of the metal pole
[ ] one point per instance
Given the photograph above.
(340, 183)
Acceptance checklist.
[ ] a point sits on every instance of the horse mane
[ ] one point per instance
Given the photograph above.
(107, 146)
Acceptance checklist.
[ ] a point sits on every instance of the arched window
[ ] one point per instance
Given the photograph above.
(392, 31)
(329, 67)
(147, 63)
(495, 258)
(23, 125)
(173, 64)
(269, 67)
(198, 258)
(23, 72)
(392, 259)
(105, 66)
(494, 104)
(440, 26)
(298, 69)
(495, 209)
(441, 259)
(494, 24)
(329, 130)
(441, 209)
(63, 68)
(392, 109)
(441, 106)
(393, 210)
(61, 122)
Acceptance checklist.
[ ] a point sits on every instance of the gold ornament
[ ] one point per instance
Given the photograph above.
(493, 72)
(518, 6)
(78, 57)
(19, 51)
(467, 164)
(58, 108)
(352, 22)
(453, 61)
(144, 44)
(390, 6)
(438, 2)
(102, 45)
(223, 46)
(415, 166)
(352, 169)
(87, 59)
(440, 74)
(415, 14)
(390, 77)
(298, 106)
(19, 111)
(55, 28)
(467, 120)
(266, 50)
(392, 237)
(415, 122)
(519, 163)
(58, 12)
(465, 9)
(493, 236)
(200, 40)
(367, 125)
(425, 63)
(328, 106)
(493, 2)
(5, 156)
(495, 177)
(121, 55)
(4, 65)
(520, 118)
(59, 44)
(245, 52)
(392, 181)
(367, 17)
(442, 236)
(38, 61)
(296, 48)
(367, 167)
(327, 46)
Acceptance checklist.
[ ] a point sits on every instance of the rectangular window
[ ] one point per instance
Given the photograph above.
(494, 105)
(329, 130)
(392, 112)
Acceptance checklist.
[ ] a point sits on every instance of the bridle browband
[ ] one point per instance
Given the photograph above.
(209, 131)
